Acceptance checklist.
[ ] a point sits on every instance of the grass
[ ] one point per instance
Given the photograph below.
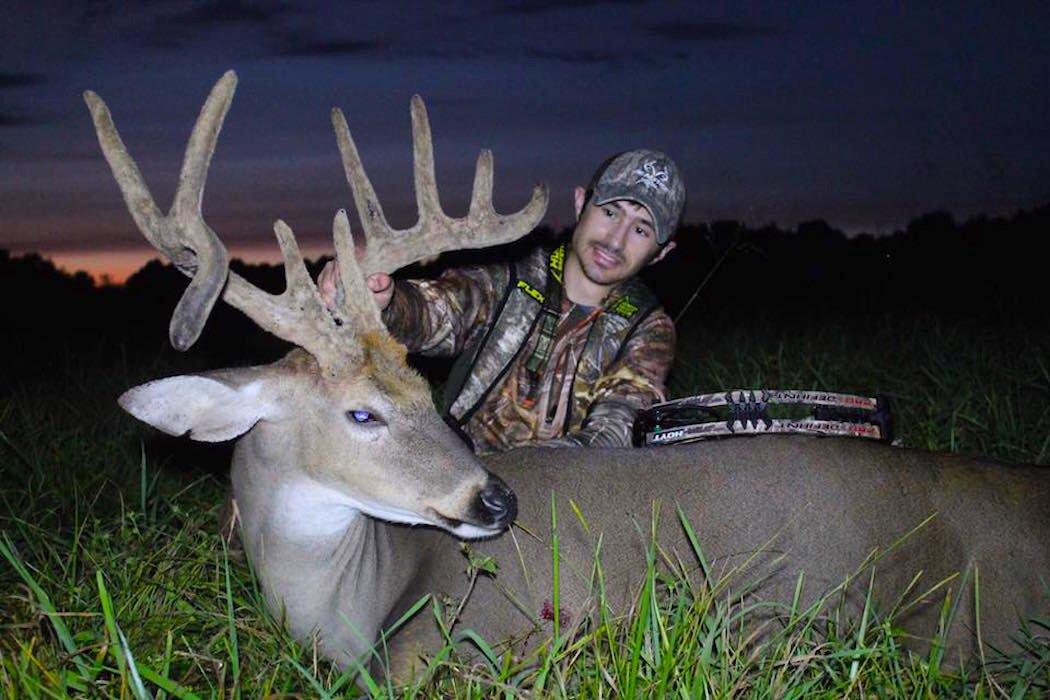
(114, 581)
(973, 388)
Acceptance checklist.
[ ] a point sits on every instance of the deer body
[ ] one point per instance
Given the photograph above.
(352, 492)
(784, 504)
(803, 504)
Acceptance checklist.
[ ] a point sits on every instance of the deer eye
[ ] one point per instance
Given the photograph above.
(363, 417)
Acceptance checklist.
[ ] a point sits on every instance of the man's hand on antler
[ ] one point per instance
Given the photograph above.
(380, 283)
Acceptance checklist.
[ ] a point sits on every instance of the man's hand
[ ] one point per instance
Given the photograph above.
(380, 284)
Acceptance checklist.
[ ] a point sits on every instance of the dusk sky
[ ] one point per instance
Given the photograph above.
(861, 113)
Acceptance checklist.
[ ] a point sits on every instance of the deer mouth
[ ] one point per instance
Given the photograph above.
(465, 530)
(491, 512)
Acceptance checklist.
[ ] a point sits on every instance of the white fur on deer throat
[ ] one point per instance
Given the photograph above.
(307, 509)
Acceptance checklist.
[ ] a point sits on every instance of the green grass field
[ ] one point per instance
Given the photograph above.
(114, 581)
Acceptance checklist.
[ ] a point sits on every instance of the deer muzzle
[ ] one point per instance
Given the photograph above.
(496, 505)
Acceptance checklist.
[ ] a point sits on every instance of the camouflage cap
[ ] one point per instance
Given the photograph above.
(647, 177)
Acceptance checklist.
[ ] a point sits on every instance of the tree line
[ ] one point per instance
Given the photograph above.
(984, 267)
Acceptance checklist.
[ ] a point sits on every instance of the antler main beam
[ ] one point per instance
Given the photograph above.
(388, 249)
(298, 314)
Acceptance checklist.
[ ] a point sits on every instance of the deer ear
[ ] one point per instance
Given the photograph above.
(207, 408)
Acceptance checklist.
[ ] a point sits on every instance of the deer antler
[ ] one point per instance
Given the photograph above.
(182, 235)
(298, 314)
(388, 249)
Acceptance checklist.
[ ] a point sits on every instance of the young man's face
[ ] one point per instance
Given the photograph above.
(613, 241)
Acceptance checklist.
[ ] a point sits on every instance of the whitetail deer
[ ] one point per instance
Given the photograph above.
(340, 448)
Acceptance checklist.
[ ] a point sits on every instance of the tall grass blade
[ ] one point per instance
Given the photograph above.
(118, 643)
(231, 625)
(316, 684)
(7, 548)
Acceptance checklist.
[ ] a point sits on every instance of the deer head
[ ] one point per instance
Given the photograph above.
(344, 410)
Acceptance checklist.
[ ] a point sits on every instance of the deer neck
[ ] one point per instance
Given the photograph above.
(331, 568)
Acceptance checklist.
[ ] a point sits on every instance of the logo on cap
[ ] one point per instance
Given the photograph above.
(652, 177)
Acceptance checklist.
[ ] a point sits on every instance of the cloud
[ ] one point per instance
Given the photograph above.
(221, 12)
(574, 56)
(335, 47)
(175, 30)
(292, 45)
(706, 32)
(10, 120)
(535, 7)
(586, 56)
(455, 52)
(19, 80)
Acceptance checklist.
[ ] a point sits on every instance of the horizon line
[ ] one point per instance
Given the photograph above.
(114, 263)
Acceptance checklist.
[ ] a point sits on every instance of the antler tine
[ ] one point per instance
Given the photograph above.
(298, 314)
(481, 194)
(423, 176)
(357, 300)
(201, 147)
(388, 249)
(484, 217)
(369, 210)
(182, 235)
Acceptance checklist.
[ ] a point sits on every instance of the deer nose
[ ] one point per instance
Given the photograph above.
(496, 503)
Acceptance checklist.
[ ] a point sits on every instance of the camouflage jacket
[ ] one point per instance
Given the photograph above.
(600, 367)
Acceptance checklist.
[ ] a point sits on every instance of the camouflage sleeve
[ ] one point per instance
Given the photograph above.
(439, 317)
(636, 380)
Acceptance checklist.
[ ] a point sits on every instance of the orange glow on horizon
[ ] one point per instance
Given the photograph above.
(115, 266)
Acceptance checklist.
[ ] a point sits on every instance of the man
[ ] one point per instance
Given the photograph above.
(564, 346)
